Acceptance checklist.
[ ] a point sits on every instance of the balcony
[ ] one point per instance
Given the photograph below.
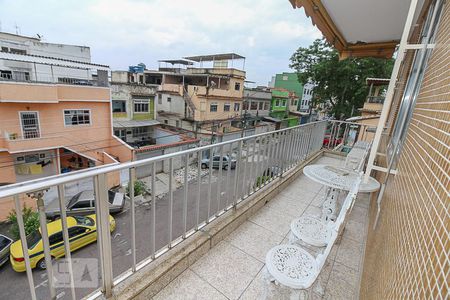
(194, 214)
(375, 99)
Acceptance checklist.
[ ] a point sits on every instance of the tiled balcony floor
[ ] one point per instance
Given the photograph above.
(234, 268)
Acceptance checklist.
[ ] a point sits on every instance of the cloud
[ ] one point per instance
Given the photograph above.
(125, 32)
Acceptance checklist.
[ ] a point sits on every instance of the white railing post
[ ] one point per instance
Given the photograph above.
(38, 195)
(103, 232)
(23, 238)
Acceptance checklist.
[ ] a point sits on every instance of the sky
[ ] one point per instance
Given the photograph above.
(126, 32)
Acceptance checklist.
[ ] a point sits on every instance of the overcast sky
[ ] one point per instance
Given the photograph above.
(126, 32)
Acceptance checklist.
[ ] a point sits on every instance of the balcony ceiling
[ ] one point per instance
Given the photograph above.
(359, 27)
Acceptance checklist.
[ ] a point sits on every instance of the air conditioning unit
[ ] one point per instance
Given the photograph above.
(13, 136)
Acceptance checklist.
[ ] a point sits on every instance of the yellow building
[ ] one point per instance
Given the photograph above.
(371, 111)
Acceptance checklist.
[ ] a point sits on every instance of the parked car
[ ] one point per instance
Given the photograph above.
(226, 162)
(82, 231)
(5, 243)
(83, 203)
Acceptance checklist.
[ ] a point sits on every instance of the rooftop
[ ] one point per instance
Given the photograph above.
(214, 57)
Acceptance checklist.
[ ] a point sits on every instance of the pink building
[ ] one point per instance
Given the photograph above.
(55, 117)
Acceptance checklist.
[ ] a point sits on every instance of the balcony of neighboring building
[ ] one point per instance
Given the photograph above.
(23, 68)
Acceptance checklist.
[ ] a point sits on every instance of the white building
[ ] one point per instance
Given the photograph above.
(36, 69)
(306, 97)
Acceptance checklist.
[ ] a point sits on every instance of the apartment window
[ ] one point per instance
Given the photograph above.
(120, 133)
(119, 106)
(253, 105)
(166, 122)
(5, 74)
(261, 105)
(277, 102)
(141, 106)
(5, 49)
(213, 107)
(140, 132)
(266, 105)
(177, 123)
(159, 99)
(17, 51)
(236, 106)
(245, 106)
(29, 121)
(284, 103)
(77, 117)
(169, 99)
(285, 78)
(226, 107)
(237, 86)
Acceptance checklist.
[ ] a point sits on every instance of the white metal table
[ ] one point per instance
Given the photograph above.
(337, 178)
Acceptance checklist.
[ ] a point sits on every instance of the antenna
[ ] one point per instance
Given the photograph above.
(17, 29)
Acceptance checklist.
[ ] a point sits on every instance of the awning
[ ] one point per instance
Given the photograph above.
(133, 123)
(212, 57)
(272, 119)
(51, 61)
(359, 27)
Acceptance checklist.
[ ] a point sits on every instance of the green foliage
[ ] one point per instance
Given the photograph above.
(339, 83)
(139, 188)
(262, 179)
(30, 220)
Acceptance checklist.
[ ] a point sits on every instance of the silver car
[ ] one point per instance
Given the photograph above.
(5, 243)
(227, 162)
(84, 203)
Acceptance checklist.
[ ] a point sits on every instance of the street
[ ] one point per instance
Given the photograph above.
(15, 285)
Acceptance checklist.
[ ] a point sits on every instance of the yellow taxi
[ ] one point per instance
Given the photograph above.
(82, 231)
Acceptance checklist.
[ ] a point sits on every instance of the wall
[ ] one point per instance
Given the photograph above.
(290, 82)
(407, 254)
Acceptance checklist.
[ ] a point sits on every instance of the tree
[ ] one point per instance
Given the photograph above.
(339, 83)
(30, 221)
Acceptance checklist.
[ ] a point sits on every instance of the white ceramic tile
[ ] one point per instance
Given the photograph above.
(342, 283)
(290, 206)
(189, 286)
(272, 220)
(228, 269)
(349, 253)
(254, 240)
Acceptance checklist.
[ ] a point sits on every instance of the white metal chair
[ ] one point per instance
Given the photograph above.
(293, 266)
(317, 232)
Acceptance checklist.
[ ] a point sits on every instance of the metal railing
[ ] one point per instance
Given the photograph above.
(342, 135)
(43, 77)
(375, 99)
(216, 178)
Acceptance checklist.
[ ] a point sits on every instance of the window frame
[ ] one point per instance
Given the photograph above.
(213, 104)
(38, 124)
(226, 107)
(77, 109)
(141, 102)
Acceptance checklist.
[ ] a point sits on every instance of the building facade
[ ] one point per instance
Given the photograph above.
(206, 100)
(133, 108)
(306, 98)
(371, 111)
(56, 116)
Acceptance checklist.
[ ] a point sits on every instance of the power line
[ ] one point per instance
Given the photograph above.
(83, 151)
